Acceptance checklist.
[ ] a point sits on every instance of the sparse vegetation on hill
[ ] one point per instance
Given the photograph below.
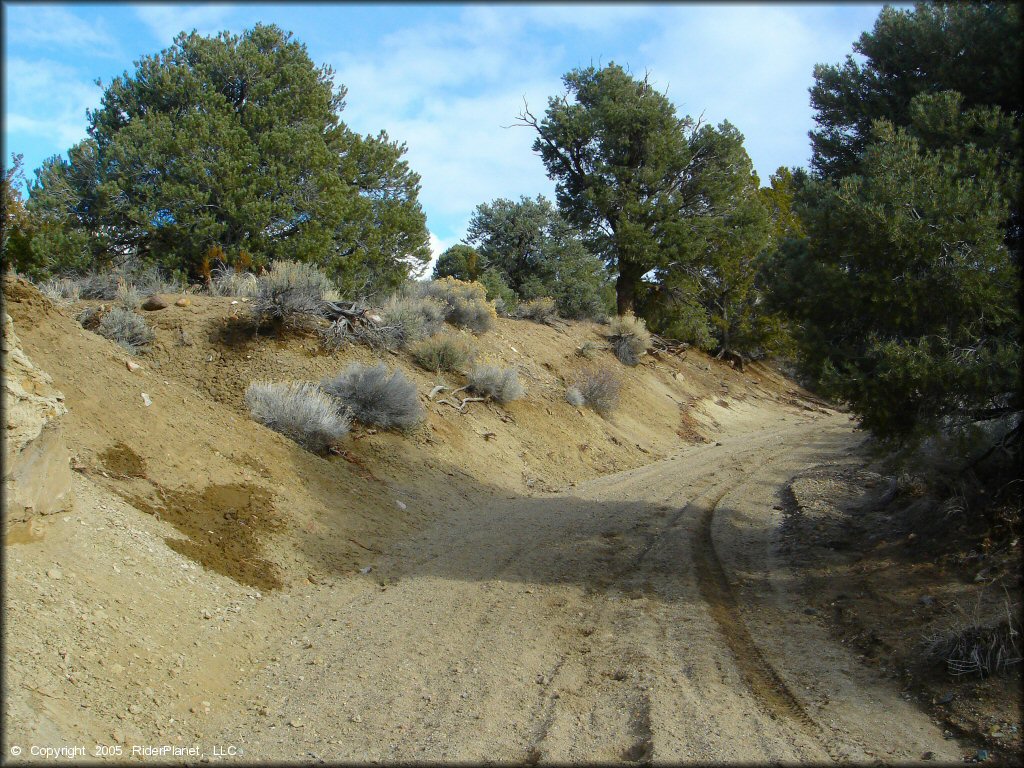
(291, 294)
(500, 384)
(542, 310)
(442, 352)
(595, 387)
(377, 397)
(300, 411)
(465, 303)
(123, 326)
(629, 338)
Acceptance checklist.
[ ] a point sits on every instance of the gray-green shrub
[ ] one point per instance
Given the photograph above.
(629, 338)
(126, 328)
(291, 294)
(465, 304)
(442, 352)
(376, 397)
(500, 384)
(596, 387)
(300, 411)
(540, 310)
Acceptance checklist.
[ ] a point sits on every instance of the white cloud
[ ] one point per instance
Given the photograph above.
(61, 116)
(166, 21)
(751, 65)
(44, 25)
(447, 90)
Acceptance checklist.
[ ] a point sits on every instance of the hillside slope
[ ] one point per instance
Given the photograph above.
(200, 541)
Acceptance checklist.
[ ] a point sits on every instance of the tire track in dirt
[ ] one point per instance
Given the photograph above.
(758, 673)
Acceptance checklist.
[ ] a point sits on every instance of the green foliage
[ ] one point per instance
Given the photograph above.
(620, 158)
(905, 289)
(971, 48)
(442, 352)
(231, 142)
(381, 238)
(533, 251)
(16, 231)
(460, 261)
(504, 298)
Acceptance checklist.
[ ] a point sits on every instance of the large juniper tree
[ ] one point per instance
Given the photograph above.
(235, 141)
(905, 289)
(621, 159)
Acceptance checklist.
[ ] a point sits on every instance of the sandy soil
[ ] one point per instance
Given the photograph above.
(567, 589)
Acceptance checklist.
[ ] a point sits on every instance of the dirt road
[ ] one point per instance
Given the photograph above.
(641, 616)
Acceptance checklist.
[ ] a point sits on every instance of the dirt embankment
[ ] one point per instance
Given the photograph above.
(529, 582)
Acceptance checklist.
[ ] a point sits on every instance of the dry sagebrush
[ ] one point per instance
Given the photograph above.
(542, 310)
(376, 397)
(123, 326)
(500, 384)
(595, 387)
(291, 294)
(300, 411)
(629, 338)
(465, 304)
(442, 352)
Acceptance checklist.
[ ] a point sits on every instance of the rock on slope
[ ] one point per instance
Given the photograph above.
(37, 475)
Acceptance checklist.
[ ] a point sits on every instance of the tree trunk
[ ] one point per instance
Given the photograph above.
(625, 287)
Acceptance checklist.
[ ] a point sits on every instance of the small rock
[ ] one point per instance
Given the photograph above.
(810, 611)
(717, 444)
(146, 400)
(132, 366)
(928, 756)
(366, 570)
(981, 755)
(927, 601)
(135, 709)
(207, 615)
(400, 504)
(356, 719)
(55, 573)
(153, 303)
(149, 692)
(946, 698)
(184, 301)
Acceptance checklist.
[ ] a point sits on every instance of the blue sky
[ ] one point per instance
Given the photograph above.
(446, 78)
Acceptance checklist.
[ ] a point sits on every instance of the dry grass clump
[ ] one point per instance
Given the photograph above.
(127, 295)
(465, 304)
(629, 338)
(595, 387)
(300, 411)
(542, 310)
(442, 352)
(121, 325)
(225, 281)
(291, 294)
(376, 397)
(124, 280)
(978, 647)
(500, 384)
(61, 290)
